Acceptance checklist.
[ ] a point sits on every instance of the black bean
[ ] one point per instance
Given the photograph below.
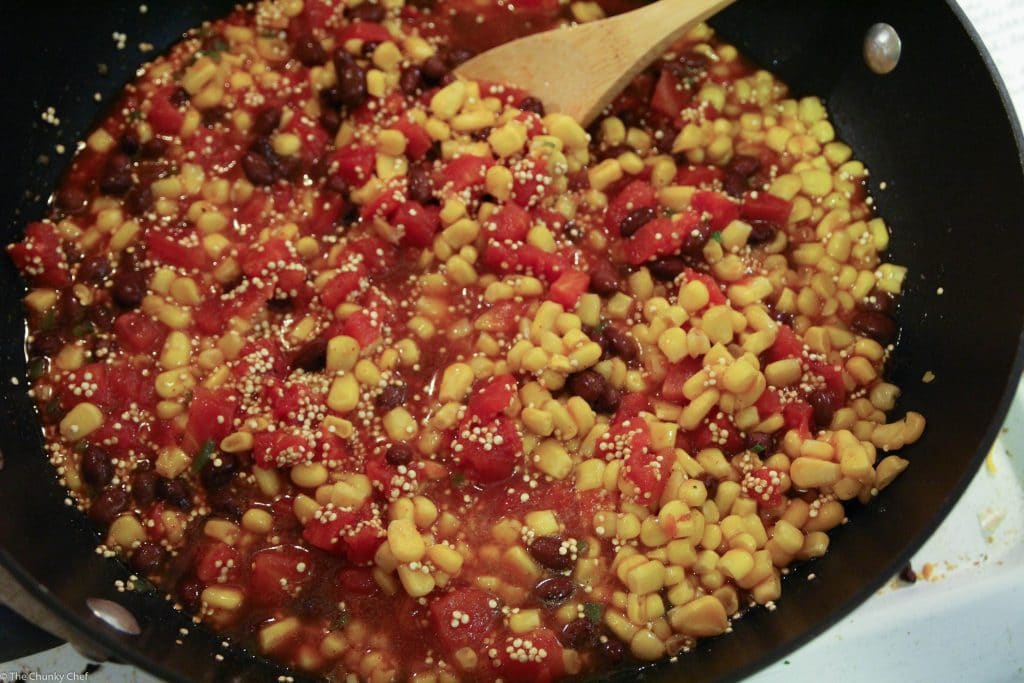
(908, 574)
(458, 55)
(144, 487)
(555, 590)
(97, 469)
(880, 301)
(874, 324)
(622, 343)
(392, 396)
(46, 343)
(138, 200)
(421, 4)
(214, 115)
(664, 137)
(433, 69)
(147, 558)
(667, 268)
(711, 485)
(154, 148)
(117, 175)
(735, 184)
(613, 649)
(821, 401)
(130, 143)
(411, 80)
(70, 310)
(762, 231)
(330, 98)
(421, 187)
(578, 634)
(352, 85)
(609, 401)
(694, 241)
(604, 280)
(266, 121)
(108, 505)
(227, 503)
(532, 104)
(368, 48)
(744, 164)
(308, 50)
(71, 200)
(179, 97)
(366, 11)
(636, 219)
(94, 269)
(398, 454)
(219, 470)
(761, 442)
(546, 550)
(176, 492)
(190, 593)
(129, 288)
(257, 169)
(311, 357)
(337, 185)
(588, 385)
(330, 120)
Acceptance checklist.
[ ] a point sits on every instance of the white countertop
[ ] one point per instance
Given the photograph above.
(964, 623)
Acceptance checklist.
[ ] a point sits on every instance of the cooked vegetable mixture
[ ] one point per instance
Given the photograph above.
(395, 376)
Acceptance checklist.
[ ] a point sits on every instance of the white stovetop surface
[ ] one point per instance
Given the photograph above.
(964, 624)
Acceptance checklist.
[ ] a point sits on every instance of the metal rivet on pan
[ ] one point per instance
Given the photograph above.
(114, 615)
(882, 48)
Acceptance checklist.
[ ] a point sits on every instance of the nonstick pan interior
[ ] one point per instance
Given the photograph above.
(936, 131)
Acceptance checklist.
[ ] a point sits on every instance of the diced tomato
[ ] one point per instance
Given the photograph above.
(548, 7)
(676, 376)
(834, 384)
(326, 532)
(787, 345)
(126, 385)
(361, 546)
(768, 403)
(376, 253)
(510, 222)
(380, 473)
(472, 602)
(341, 285)
(417, 223)
(700, 176)
(356, 581)
(280, 448)
(524, 258)
(493, 396)
(211, 414)
(465, 171)
(417, 142)
(631, 405)
(361, 327)
(722, 209)
(275, 578)
(326, 212)
(354, 163)
(568, 288)
(798, 415)
(219, 563)
(40, 256)
(637, 195)
(761, 206)
(137, 332)
(764, 486)
(670, 95)
(317, 13)
(624, 438)
(646, 470)
(165, 118)
(210, 319)
(660, 237)
(530, 180)
(366, 31)
(170, 250)
(487, 451)
(533, 670)
(725, 436)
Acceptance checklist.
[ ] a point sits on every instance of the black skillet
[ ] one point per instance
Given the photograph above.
(936, 131)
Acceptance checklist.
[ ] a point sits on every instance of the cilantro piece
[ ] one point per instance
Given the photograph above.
(458, 479)
(53, 410)
(593, 611)
(343, 618)
(203, 456)
(48, 322)
(601, 326)
(141, 585)
(134, 115)
(83, 329)
(36, 368)
(717, 236)
(582, 547)
(758, 448)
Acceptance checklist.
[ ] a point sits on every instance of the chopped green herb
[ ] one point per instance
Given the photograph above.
(758, 448)
(48, 321)
(203, 456)
(36, 368)
(717, 236)
(341, 621)
(458, 480)
(600, 326)
(141, 585)
(53, 410)
(83, 329)
(582, 547)
(593, 611)
(134, 115)
(80, 447)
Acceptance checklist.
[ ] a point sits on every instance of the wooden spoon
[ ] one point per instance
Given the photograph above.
(579, 70)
